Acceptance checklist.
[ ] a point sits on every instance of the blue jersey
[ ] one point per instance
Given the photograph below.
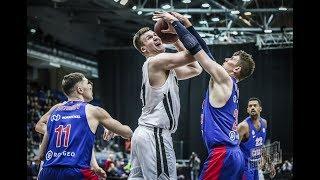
(70, 137)
(219, 125)
(252, 147)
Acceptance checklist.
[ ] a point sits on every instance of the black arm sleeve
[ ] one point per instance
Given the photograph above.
(187, 39)
(201, 41)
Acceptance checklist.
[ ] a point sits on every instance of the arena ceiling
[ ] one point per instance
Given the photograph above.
(92, 25)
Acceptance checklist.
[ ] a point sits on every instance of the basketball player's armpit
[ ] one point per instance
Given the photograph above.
(187, 39)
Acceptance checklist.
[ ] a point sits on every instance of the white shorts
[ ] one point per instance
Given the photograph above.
(152, 155)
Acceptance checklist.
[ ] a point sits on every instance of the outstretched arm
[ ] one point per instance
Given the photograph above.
(189, 70)
(217, 72)
(111, 124)
(191, 29)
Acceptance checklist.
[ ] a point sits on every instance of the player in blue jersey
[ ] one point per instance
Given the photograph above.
(67, 145)
(41, 127)
(252, 135)
(220, 107)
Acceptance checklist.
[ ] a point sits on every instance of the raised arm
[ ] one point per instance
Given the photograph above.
(168, 61)
(217, 72)
(111, 124)
(191, 29)
(189, 70)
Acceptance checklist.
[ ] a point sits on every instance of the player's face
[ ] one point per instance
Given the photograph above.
(87, 93)
(230, 64)
(152, 44)
(254, 108)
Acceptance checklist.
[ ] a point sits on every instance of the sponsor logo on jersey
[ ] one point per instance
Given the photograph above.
(71, 117)
(55, 117)
(50, 154)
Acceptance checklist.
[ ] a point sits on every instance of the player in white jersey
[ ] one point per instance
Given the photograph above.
(152, 153)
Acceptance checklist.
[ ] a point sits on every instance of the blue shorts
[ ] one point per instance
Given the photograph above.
(66, 173)
(250, 174)
(223, 163)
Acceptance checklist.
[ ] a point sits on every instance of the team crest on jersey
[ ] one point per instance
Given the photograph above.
(232, 135)
(263, 130)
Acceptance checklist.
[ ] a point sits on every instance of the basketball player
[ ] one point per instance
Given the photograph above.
(41, 127)
(67, 145)
(220, 107)
(252, 135)
(152, 153)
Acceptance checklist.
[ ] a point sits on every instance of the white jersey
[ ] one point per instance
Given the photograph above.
(161, 105)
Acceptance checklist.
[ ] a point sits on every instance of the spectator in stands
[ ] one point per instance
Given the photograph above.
(287, 168)
(194, 164)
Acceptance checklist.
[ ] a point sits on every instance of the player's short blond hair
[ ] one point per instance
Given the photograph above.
(137, 43)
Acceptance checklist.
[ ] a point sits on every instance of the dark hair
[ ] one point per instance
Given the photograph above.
(69, 81)
(246, 63)
(255, 99)
(137, 43)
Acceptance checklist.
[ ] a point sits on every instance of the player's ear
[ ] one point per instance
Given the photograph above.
(79, 89)
(143, 49)
(237, 70)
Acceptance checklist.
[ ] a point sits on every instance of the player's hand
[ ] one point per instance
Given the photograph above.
(170, 29)
(169, 18)
(107, 135)
(100, 172)
(38, 160)
(182, 18)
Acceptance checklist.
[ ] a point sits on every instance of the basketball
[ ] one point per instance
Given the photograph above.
(166, 38)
